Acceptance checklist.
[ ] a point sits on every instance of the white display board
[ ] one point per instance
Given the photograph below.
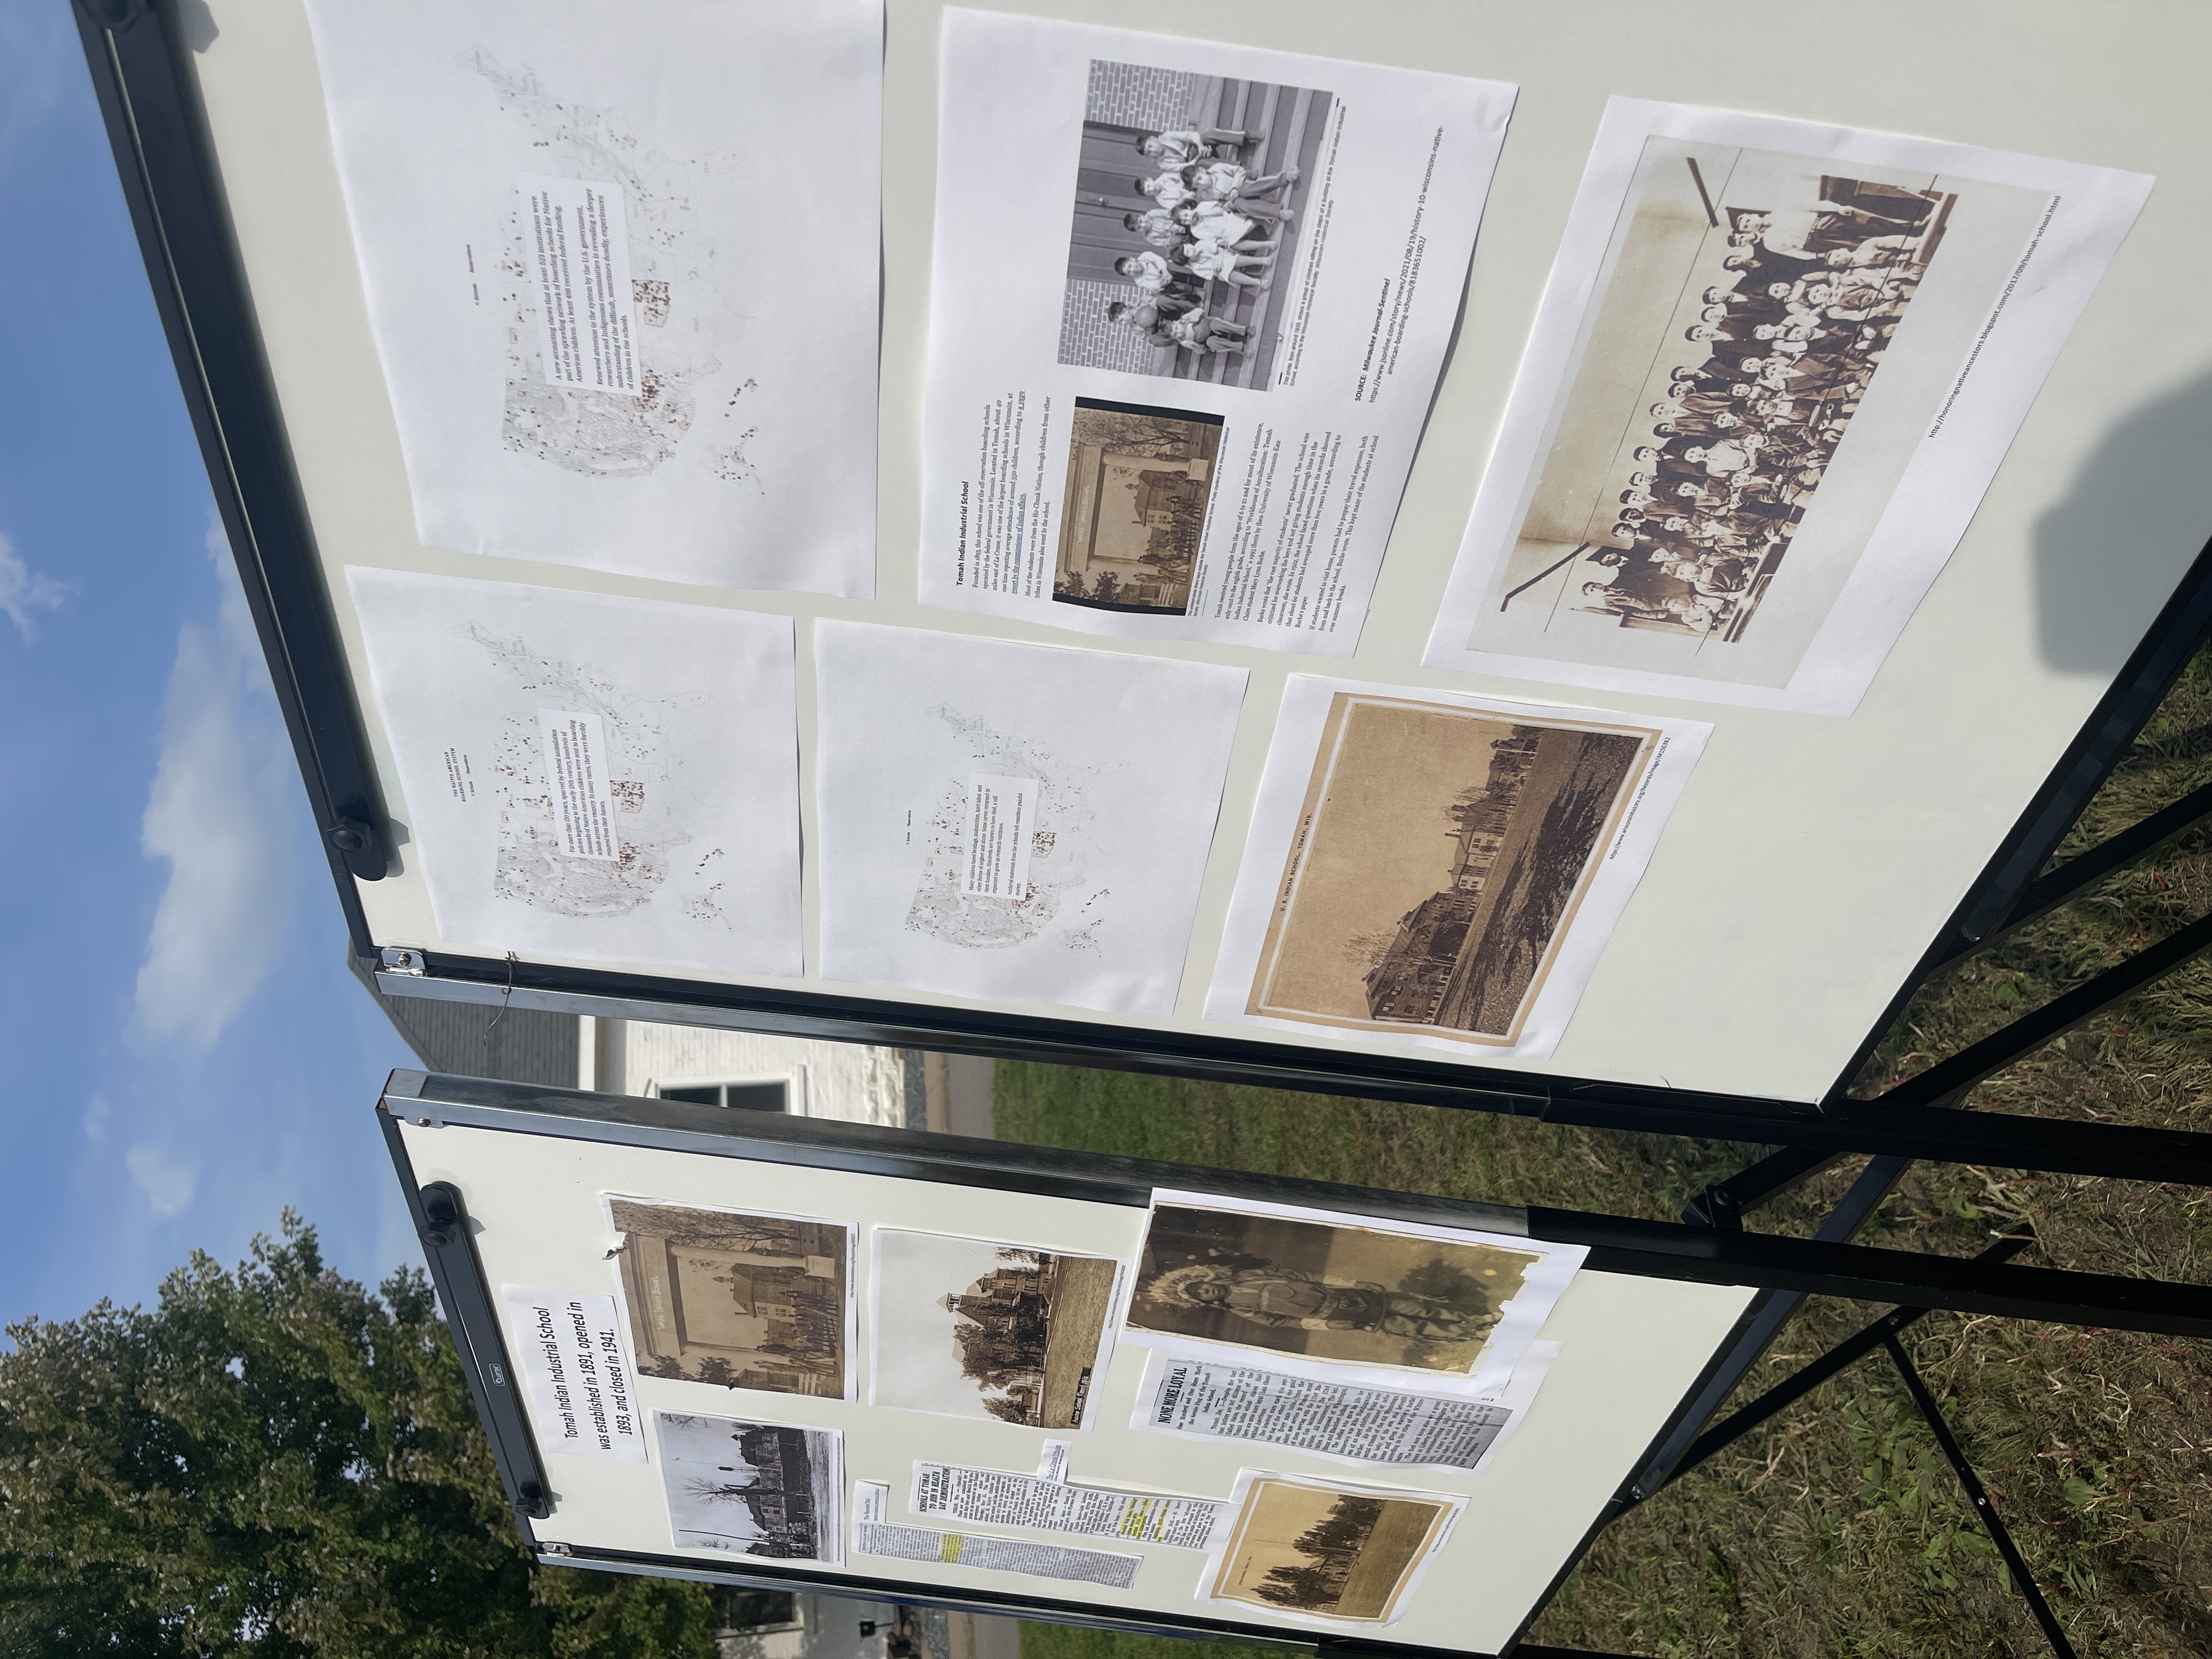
(1609, 1365)
(1810, 857)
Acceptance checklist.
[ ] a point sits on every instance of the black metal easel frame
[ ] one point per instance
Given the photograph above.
(171, 185)
(1662, 1251)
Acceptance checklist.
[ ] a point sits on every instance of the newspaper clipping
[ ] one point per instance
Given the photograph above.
(873, 1535)
(996, 1497)
(1175, 394)
(1776, 368)
(1212, 1402)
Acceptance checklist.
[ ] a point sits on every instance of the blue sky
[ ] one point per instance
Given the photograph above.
(186, 1053)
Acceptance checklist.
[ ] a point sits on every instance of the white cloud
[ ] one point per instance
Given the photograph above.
(167, 1181)
(97, 1116)
(23, 591)
(221, 805)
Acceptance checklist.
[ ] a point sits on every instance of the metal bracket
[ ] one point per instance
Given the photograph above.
(402, 959)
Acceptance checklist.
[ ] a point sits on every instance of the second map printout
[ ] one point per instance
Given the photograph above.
(1176, 379)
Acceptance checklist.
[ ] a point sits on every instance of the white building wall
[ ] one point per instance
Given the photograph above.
(856, 1082)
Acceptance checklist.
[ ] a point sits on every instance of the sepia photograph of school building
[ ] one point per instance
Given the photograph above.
(743, 1301)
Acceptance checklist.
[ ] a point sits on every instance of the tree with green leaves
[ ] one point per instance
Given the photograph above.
(274, 1461)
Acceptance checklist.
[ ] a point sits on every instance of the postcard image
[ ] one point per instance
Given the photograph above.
(1139, 479)
(738, 1298)
(1501, 819)
(1776, 367)
(759, 1489)
(1324, 1291)
(1327, 1553)
(1443, 869)
(967, 1327)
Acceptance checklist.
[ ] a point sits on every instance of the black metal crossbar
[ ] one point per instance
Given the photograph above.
(1794, 1388)
(1948, 1079)
(1860, 1273)
(1725, 1203)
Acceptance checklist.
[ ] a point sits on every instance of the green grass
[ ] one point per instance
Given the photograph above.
(1838, 1529)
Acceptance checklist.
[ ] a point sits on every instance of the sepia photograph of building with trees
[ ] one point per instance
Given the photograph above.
(966, 1328)
(1328, 1553)
(1440, 856)
(744, 1300)
(1133, 517)
(761, 1489)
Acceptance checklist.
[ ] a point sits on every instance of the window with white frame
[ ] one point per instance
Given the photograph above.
(752, 1094)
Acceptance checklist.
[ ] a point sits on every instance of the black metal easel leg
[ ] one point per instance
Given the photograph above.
(1794, 1388)
(2022, 1579)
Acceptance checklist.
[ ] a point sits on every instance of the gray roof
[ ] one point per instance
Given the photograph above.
(520, 1045)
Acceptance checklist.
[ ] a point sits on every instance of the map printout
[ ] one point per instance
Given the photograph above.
(610, 779)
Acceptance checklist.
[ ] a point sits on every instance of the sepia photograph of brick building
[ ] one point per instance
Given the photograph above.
(1132, 520)
(745, 1301)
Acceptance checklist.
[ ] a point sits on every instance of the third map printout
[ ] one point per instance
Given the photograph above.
(620, 268)
(1176, 378)
(605, 779)
(1776, 368)
(1014, 821)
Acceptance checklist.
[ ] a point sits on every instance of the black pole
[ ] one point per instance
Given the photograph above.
(1515, 593)
(2023, 1580)
(2071, 878)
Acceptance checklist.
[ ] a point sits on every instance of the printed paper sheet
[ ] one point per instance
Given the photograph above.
(1441, 872)
(941, 755)
(997, 1498)
(608, 779)
(1343, 1299)
(874, 1534)
(577, 1377)
(579, 227)
(1776, 368)
(1177, 379)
